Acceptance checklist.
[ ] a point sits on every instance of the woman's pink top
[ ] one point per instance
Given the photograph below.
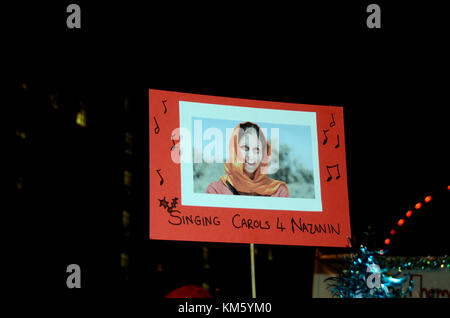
(218, 187)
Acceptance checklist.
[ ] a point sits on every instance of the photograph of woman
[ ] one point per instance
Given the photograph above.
(246, 169)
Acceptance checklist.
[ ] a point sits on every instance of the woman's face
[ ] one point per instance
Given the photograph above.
(251, 149)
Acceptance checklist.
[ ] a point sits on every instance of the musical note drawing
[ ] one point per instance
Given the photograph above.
(164, 104)
(157, 126)
(333, 123)
(338, 143)
(173, 146)
(326, 137)
(329, 174)
(162, 179)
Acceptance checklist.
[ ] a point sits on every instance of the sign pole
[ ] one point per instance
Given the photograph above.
(252, 269)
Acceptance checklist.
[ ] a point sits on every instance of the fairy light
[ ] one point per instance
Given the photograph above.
(408, 214)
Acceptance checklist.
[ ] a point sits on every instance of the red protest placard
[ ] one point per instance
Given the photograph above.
(247, 171)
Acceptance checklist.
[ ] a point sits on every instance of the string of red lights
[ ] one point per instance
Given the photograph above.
(408, 214)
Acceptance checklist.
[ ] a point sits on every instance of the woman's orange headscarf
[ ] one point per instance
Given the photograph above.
(234, 168)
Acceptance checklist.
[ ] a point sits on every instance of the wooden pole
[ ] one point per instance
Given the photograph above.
(252, 268)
